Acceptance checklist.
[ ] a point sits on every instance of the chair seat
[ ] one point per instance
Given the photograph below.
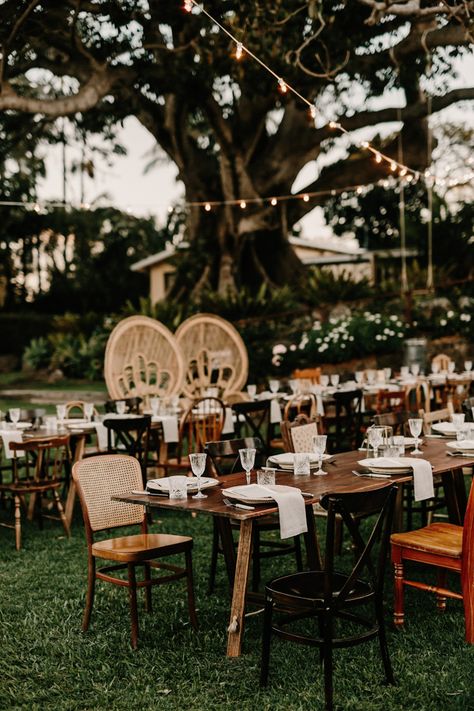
(307, 589)
(131, 549)
(36, 488)
(441, 538)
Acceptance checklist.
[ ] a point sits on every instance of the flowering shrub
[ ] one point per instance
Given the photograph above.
(447, 322)
(338, 340)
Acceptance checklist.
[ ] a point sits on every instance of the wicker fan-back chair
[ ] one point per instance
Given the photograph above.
(142, 359)
(214, 355)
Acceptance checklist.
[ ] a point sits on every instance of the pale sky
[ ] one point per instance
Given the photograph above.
(128, 187)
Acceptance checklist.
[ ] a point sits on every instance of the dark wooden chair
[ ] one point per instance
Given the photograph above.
(39, 468)
(303, 404)
(253, 419)
(390, 401)
(98, 479)
(131, 436)
(225, 458)
(344, 430)
(468, 409)
(398, 421)
(443, 546)
(297, 435)
(329, 595)
(34, 415)
(132, 404)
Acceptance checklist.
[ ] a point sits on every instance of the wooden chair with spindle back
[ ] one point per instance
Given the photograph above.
(98, 479)
(431, 418)
(298, 435)
(302, 404)
(442, 361)
(39, 468)
(312, 374)
(444, 546)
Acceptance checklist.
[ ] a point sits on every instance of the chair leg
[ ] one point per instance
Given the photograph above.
(266, 640)
(148, 599)
(298, 556)
(90, 593)
(190, 585)
(387, 665)
(132, 596)
(327, 664)
(214, 555)
(17, 523)
(398, 612)
(441, 576)
(256, 560)
(62, 515)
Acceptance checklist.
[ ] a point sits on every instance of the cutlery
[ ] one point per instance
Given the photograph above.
(228, 502)
(371, 475)
(307, 494)
(460, 454)
(150, 493)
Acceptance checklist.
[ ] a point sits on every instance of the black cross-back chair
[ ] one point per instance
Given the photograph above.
(328, 594)
(225, 459)
(467, 407)
(255, 417)
(133, 435)
(132, 404)
(348, 421)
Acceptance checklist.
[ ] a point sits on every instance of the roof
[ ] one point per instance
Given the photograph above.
(153, 259)
(339, 245)
(337, 259)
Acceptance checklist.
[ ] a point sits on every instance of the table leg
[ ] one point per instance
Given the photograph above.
(79, 450)
(236, 625)
(313, 554)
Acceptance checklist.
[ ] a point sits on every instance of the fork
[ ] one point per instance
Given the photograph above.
(372, 475)
(228, 502)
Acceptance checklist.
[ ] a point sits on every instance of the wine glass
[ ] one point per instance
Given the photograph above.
(371, 375)
(404, 372)
(375, 438)
(274, 386)
(468, 366)
(435, 368)
(451, 366)
(61, 413)
(319, 446)
(198, 465)
(14, 413)
(387, 372)
(88, 410)
(120, 407)
(294, 385)
(415, 424)
(324, 380)
(334, 380)
(252, 391)
(247, 459)
(359, 376)
(415, 369)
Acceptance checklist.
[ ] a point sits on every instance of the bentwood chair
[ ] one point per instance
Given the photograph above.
(331, 596)
(302, 404)
(98, 479)
(298, 435)
(39, 468)
(445, 547)
(226, 460)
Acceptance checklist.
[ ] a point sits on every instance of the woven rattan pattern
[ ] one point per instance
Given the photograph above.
(100, 478)
(302, 437)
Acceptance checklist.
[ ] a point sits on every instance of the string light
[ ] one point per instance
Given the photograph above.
(306, 198)
(273, 201)
(188, 5)
(393, 166)
(207, 207)
(312, 112)
(282, 86)
(378, 158)
(239, 50)
(243, 204)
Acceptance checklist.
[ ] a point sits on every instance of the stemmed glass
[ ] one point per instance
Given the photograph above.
(14, 413)
(375, 438)
(468, 366)
(294, 385)
(247, 459)
(88, 410)
(252, 391)
(274, 386)
(334, 380)
(319, 446)
(387, 372)
(415, 369)
(198, 465)
(415, 424)
(120, 406)
(324, 381)
(61, 413)
(435, 368)
(359, 376)
(451, 366)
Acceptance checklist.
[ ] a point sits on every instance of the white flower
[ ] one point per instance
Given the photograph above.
(393, 317)
(468, 317)
(276, 360)
(378, 337)
(279, 349)
(450, 314)
(399, 334)
(317, 326)
(293, 347)
(443, 322)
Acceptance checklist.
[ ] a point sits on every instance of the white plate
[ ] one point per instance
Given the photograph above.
(381, 464)
(445, 428)
(251, 493)
(74, 421)
(465, 445)
(23, 426)
(82, 426)
(287, 459)
(164, 484)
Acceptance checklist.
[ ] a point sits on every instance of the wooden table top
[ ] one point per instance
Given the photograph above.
(339, 479)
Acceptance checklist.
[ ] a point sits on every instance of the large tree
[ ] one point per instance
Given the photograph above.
(223, 122)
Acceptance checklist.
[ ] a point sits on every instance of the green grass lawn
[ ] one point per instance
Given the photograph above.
(46, 662)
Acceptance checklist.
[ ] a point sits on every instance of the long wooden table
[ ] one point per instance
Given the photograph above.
(338, 479)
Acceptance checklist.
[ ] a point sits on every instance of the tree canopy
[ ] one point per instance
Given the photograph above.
(223, 123)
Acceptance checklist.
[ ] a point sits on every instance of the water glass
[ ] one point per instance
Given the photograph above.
(324, 380)
(415, 424)
(266, 477)
(435, 368)
(51, 423)
(335, 380)
(198, 465)
(375, 437)
(463, 433)
(178, 487)
(399, 443)
(14, 413)
(155, 406)
(415, 369)
(61, 413)
(359, 376)
(247, 459)
(319, 447)
(458, 420)
(120, 407)
(301, 464)
(88, 410)
(404, 372)
(387, 372)
(274, 386)
(252, 391)
(451, 366)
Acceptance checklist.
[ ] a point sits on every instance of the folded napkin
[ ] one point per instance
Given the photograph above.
(169, 424)
(422, 479)
(291, 507)
(101, 431)
(275, 411)
(9, 436)
(228, 422)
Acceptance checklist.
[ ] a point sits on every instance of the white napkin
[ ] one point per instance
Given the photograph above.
(275, 411)
(101, 431)
(422, 479)
(228, 422)
(170, 427)
(9, 436)
(291, 507)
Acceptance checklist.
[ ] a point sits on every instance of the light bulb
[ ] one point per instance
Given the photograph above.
(188, 5)
(273, 201)
(393, 166)
(378, 158)
(282, 86)
(243, 204)
(305, 198)
(239, 50)
(207, 207)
